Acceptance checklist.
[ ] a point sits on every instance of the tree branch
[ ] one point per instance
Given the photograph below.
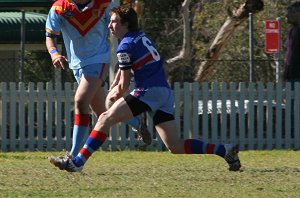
(235, 18)
(186, 46)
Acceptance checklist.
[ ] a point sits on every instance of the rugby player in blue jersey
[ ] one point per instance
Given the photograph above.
(84, 27)
(152, 94)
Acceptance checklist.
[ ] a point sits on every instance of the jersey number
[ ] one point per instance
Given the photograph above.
(151, 49)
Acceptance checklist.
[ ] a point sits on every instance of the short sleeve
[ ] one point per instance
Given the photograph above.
(124, 57)
(53, 22)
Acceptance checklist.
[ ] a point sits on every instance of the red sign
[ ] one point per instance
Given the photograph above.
(272, 40)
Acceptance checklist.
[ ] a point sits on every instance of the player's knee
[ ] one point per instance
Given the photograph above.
(105, 120)
(80, 103)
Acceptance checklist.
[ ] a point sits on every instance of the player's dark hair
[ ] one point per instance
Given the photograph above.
(294, 6)
(127, 14)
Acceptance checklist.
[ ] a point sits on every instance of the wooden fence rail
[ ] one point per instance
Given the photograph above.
(254, 115)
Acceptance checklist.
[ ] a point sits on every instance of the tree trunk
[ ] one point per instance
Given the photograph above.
(235, 18)
(186, 46)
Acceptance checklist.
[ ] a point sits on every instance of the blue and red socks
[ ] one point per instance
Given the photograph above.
(93, 143)
(194, 146)
(81, 126)
(191, 146)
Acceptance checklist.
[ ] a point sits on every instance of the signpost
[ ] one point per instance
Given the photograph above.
(272, 34)
(272, 42)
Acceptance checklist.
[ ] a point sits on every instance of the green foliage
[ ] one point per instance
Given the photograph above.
(162, 23)
(37, 67)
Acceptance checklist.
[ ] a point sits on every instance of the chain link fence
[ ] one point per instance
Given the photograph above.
(41, 70)
(37, 68)
(9, 70)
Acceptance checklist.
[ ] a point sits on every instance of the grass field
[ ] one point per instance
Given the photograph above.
(152, 174)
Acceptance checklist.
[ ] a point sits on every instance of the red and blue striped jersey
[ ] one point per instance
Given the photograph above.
(137, 52)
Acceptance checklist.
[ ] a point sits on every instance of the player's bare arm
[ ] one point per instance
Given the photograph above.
(58, 60)
(123, 85)
(116, 80)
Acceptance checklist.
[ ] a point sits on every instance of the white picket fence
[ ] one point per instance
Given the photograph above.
(254, 115)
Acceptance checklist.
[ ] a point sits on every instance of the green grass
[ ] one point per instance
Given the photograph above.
(152, 174)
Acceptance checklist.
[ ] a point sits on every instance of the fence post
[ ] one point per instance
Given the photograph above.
(232, 90)
(195, 110)
(186, 111)
(214, 113)
(69, 98)
(242, 115)
(58, 116)
(250, 95)
(260, 115)
(288, 115)
(40, 115)
(177, 98)
(31, 106)
(278, 133)
(4, 116)
(205, 120)
(297, 116)
(22, 101)
(49, 115)
(12, 116)
(224, 128)
(269, 119)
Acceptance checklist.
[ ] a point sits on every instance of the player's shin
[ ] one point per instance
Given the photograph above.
(93, 143)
